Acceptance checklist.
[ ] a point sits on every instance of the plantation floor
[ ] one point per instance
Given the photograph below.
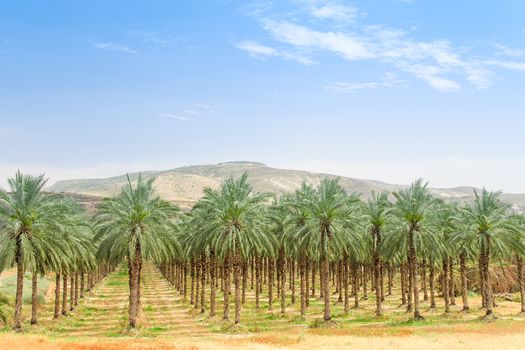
(167, 321)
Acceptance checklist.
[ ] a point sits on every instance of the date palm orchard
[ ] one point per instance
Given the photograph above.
(236, 236)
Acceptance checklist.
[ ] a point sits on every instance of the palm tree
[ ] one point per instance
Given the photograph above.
(377, 211)
(133, 226)
(233, 228)
(412, 206)
(27, 217)
(332, 214)
(496, 234)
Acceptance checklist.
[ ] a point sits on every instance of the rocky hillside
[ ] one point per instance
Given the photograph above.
(184, 185)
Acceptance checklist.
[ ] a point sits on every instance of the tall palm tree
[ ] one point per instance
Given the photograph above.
(332, 215)
(377, 211)
(133, 226)
(412, 206)
(493, 228)
(27, 217)
(233, 228)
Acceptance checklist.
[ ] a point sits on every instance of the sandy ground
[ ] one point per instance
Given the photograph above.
(270, 341)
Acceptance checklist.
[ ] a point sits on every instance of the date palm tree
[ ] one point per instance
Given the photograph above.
(377, 211)
(133, 226)
(233, 228)
(332, 214)
(413, 206)
(492, 226)
(27, 219)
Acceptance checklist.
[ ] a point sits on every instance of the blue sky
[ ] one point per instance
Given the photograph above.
(389, 90)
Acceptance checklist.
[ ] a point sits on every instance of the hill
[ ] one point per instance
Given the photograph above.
(184, 185)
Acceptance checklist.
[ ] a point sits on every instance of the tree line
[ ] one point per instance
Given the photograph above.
(235, 237)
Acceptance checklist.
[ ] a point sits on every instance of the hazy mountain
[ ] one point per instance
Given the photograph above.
(184, 185)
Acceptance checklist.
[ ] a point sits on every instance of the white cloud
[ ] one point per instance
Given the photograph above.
(389, 80)
(174, 116)
(115, 47)
(348, 46)
(150, 37)
(333, 10)
(257, 50)
(435, 62)
(512, 65)
(504, 50)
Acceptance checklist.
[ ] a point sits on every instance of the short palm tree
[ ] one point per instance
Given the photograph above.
(133, 226)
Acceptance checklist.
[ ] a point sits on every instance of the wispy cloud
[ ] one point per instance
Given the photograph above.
(436, 62)
(257, 50)
(509, 51)
(174, 116)
(389, 81)
(115, 47)
(333, 10)
(151, 37)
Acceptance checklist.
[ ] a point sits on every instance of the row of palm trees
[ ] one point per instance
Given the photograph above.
(43, 233)
(234, 234)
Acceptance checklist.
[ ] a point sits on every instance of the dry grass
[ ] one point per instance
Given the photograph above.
(483, 339)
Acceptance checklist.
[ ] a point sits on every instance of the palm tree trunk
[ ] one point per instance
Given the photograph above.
(339, 278)
(451, 285)
(403, 285)
(463, 275)
(304, 290)
(307, 281)
(486, 276)
(258, 280)
(345, 284)
(203, 283)
(424, 279)
(445, 283)
(64, 295)
(19, 284)
(192, 273)
(365, 282)
(135, 286)
(390, 278)
(197, 283)
(314, 267)
(237, 281)
(226, 282)
(413, 273)
(244, 279)
(82, 284)
(292, 279)
(56, 313)
(252, 268)
(356, 285)
(34, 298)
(282, 268)
(325, 269)
(271, 269)
(519, 265)
(410, 305)
(213, 277)
(431, 286)
(76, 288)
(72, 292)
(377, 287)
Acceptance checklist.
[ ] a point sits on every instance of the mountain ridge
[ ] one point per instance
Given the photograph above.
(184, 185)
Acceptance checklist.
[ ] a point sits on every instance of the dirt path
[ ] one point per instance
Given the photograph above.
(103, 312)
